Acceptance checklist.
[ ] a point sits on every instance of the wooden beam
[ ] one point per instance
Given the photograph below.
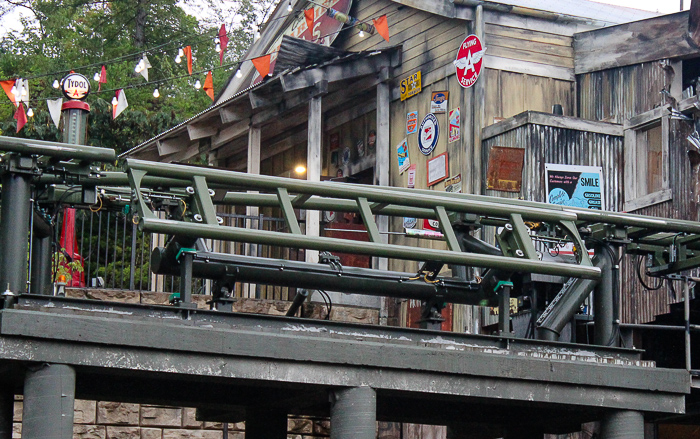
(230, 133)
(313, 167)
(202, 129)
(171, 145)
(232, 113)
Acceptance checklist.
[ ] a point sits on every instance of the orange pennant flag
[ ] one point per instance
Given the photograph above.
(382, 27)
(262, 64)
(7, 86)
(188, 54)
(209, 85)
(20, 116)
(309, 15)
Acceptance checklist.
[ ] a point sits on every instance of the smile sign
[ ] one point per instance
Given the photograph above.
(469, 61)
(75, 86)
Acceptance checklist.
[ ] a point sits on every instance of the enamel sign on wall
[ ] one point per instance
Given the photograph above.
(428, 134)
(469, 61)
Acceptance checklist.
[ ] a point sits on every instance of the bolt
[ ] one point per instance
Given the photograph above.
(189, 189)
(509, 226)
(219, 220)
(211, 192)
(198, 217)
(519, 253)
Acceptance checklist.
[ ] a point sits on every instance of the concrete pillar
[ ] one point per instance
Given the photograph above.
(603, 298)
(354, 413)
(49, 397)
(622, 425)
(313, 167)
(7, 401)
(263, 423)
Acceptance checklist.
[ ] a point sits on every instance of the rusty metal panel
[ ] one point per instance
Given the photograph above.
(505, 169)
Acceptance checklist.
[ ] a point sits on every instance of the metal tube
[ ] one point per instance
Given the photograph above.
(41, 265)
(622, 425)
(603, 297)
(354, 413)
(7, 401)
(56, 150)
(132, 270)
(686, 314)
(297, 302)
(206, 231)
(49, 397)
(14, 230)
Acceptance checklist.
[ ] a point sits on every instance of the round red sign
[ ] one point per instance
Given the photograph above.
(469, 61)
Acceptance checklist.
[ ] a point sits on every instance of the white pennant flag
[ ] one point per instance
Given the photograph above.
(55, 109)
(120, 105)
(22, 94)
(146, 66)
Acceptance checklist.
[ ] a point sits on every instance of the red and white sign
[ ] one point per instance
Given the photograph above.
(469, 61)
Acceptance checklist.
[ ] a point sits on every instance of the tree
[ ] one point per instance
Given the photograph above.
(68, 35)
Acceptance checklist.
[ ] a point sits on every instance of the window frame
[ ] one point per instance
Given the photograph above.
(632, 129)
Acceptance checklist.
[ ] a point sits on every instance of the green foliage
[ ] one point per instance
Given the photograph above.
(65, 268)
(65, 35)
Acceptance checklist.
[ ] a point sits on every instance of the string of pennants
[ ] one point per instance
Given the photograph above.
(17, 90)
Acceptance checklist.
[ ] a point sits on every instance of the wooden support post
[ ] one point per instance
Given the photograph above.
(313, 167)
(381, 176)
(253, 167)
(478, 108)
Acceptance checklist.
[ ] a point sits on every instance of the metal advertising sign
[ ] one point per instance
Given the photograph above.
(409, 223)
(324, 31)
(410, 86)
(437, 169)
(576, 186)
(75, 86)
(454, 184)
(402, 153)
(429, 132)
(438, 102)
(453, 129)
(411, 176)
(469, 61)
(412, 122)
(505, 169)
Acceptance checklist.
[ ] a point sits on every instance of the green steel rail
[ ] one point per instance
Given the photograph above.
(56, 150)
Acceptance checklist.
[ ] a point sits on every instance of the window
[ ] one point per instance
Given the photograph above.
(646, 159)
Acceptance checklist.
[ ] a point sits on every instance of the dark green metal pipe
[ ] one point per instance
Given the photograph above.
(56, 150)
(49, 398)
(14, 231)
(366, 248)
(354, 413)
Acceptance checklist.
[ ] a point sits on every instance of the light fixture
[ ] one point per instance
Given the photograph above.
(30, 113)
(361, 34)
(180, 52)
(156, 93)
(97, 76)
(218, 47)
(178, 59)
(289, 6)
(300, 169)
(56, 84)
(24, 91)
(114, 101)
(197, 84)
(239, 74)
(138, 67)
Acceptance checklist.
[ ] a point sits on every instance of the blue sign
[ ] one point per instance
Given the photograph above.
(575, 186)
(428, 135)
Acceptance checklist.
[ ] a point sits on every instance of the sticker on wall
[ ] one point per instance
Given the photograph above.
(575, 186)
(371, 140)
(454, 184)
(328, 216)
(429, 132)
(402, 152)
(438, 102)
(409, 223)
(453, 130)
(410, 86)
(411, 176)
(346, 155)
(437, 169)
(412, 122)
(431, 224)
(469, 61)
(360, 146)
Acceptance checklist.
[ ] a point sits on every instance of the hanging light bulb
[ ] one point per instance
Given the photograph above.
(114, 101)
(217, 40)
(256, 36)
(178, 59)
(30, 113)
(180, 52)
(218, 47)
(97, 76)
(289, 6)
(13, 90)
(138, 69)
(156, 93)
(24, 92)
(56, 84)
(239, 74)
(361, 34)
(197, 85)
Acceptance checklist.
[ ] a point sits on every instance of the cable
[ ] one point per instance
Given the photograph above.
(639, 276)
(329, 303)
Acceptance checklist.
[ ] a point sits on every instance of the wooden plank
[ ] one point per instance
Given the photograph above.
(514, 103)
(171, 145)
(313, 167)
(232, 113)
(539, 95)
(537, 24)
(505, 52)
(529, 35)
(229, 133)
(202, 129)
(530, 68)
(530, 46)
(399, 22)
(493, 95)
(633, 43)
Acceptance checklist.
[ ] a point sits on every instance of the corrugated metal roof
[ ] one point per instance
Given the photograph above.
(584, 9)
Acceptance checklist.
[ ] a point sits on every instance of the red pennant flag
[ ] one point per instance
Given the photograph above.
(262, 65)
(7, 86)
(223, 42)
(309, 15)
(20, 116)
(382, 27)
(209, 85)
(103, 78)
(188, 53)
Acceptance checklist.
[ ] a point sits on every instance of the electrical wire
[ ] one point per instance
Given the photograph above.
(639, 276)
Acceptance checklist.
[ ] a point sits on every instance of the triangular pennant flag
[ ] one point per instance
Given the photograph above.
(7, 85)
(120, 105)
(223, 42)
(55, 109)
(188, 53)
(103, 80)
(21, 117)
(382, 27)
(209, 85)
(146, 66)
(22, 86)
(309, 15)
(262, 64)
